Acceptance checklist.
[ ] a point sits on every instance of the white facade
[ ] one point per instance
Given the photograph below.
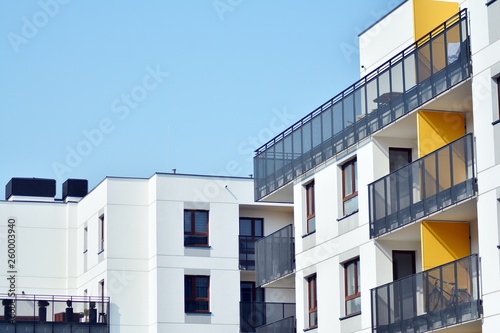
(468, 105)
(142, 260)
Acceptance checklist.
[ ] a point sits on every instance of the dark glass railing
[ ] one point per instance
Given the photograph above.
(256, 314)
(275, 256)
(286, 325)
(53, 314)
(433, 299)
(432, 65)
(247, 252)
(431, 183)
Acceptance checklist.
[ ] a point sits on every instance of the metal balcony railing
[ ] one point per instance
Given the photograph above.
(247, 252)
(275, 256)
(432, 65)
(54, 314)
(433, 182)
(286, 325)
(256, 314)
(433, 299)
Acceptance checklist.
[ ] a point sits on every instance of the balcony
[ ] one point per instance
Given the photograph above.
(433, 299)
(431, 183)
(429, 67)
(247, 252)
(54, 314)
(275, 256)
(261, 316)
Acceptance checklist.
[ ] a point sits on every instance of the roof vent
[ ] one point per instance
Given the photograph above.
(75, 189)
(30, 189)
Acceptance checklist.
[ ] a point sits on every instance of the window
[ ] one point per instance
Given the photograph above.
(310, 210)
(313, 301)
(101, 233)
(398, 158)
(350, 187)
(102, 305)
(352, 287)
(85, 239)
(196, 293)
(498, 95)
(251, 230)
(195, 228)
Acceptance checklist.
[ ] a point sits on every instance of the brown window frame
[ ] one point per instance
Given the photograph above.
(310, 205)
(357, 291)
(194, 297)
(312, 289)
(193, 231)
(354, 181)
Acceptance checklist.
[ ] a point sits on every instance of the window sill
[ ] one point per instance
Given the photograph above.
(496, 122)
(350, 316)
(346, 216)
(204, 313)
(310, 328)
(100, 252)
(85, 252)
(204, 247)
(312, 232)
(490, 2)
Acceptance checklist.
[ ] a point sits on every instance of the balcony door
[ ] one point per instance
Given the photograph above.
(252, 308)
(399, 184)
(403, 265)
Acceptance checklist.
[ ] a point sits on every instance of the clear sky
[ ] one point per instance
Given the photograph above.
(91, 88)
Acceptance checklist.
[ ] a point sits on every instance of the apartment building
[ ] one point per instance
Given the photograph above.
(395, 183)
(169, 253)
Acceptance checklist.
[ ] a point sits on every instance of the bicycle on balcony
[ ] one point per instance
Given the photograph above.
(440, 299)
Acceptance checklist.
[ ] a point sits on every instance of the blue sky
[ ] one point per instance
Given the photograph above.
(127, 88)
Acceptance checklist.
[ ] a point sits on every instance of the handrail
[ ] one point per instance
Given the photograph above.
(408, 50)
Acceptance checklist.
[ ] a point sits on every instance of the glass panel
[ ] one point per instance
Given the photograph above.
(201, 222)
(350, 279)
(444, 168)
(384, 88)
(424, 63)
(348, 180)
(430, 175)
(202, 287)
(359, 102)
(187, 221)
(453, 44)
(259, 230)
(348, 110)
(311, 225)
(355, 167)
(353, 306)
(326, 120)
(245, 227)
(306, 136)
(313, 319)
(337, 117)
(410, 72)
(188, 287)
(438, 54)
(397, 77)
(351, 205)
(459, 162)
(372, 95)
(316, 131)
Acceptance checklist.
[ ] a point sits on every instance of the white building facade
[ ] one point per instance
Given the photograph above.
(172, 253)
(394, 181)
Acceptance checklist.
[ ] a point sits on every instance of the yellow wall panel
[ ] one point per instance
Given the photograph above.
(428, 14)
(437, 129)
(443, 242)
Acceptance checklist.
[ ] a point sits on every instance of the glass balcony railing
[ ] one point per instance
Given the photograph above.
(54, 314)
(257, 314)
(275, 256)
(432, 65)
(433, 299)
(247, 252)
(433, 182)
(286, 325)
